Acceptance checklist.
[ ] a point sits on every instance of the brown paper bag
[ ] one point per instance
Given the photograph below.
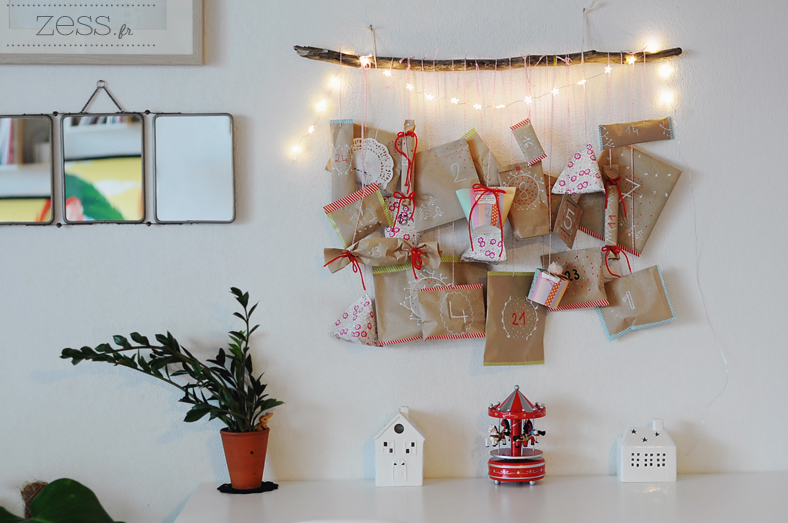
(529, 215)
(645, 196)
(529, 143)
(386, 138)
(452, 312)
(343, 180)
(397, 294)
(567, 218)
(483, 159)
(358, 215)
(381, 252)
(584, 270)
(439, 173)
(619, 134)
(637, 301)
(515, 325)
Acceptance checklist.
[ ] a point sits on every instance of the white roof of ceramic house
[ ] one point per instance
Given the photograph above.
(654, 436)
(402, 417)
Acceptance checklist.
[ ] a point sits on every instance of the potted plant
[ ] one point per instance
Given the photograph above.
(224, 388)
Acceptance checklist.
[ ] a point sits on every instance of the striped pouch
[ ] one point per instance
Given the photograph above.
(526, 138)
(452, 312)
(359, 214)
(637, 301)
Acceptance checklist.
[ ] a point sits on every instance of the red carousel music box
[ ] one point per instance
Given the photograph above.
(512, 461)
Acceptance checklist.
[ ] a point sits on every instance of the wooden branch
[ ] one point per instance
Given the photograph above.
(485, 64)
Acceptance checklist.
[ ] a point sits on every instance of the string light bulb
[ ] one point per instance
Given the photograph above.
(582, 82)
(554, 91)
(429, 97)
(295, 149)
(666, 97)
(366, 61)
(528, 100)
(321, 106)
(334, 82)
(311, 129)
(631, 59)
(665, 70)
(386, 72)
(455, 101)
(501, 106)
(478, 107)
(409, 87)
(608, 69)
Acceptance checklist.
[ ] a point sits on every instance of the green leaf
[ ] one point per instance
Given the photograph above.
(138, 338)
(62, 501)
(121, 341)
(197, 412)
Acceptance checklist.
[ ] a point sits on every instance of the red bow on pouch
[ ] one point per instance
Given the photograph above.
(615, 249)
(353, 262)
(415, 260)
(399, 197)
(495, 191)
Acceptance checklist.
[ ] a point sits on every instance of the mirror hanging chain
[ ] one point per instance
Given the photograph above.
(101, 85)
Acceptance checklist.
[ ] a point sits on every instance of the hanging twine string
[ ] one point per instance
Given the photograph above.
(353, 262)
(409, 194)
(615, 249)
(480, 191)
(615, 181)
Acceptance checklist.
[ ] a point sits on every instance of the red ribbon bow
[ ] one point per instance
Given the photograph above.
(353, 262)
(614, 181)
(415, 260)
(495, 191)
(399, 197)
(615, 249)
(409, 175)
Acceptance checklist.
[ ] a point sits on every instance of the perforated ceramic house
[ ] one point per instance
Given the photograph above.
(647, 454)
(399, 453)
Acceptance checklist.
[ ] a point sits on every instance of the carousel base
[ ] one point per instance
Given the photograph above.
(516, 471)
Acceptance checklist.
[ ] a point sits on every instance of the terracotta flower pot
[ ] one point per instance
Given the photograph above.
(245, 455)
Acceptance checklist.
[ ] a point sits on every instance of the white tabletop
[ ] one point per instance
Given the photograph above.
(719, 498)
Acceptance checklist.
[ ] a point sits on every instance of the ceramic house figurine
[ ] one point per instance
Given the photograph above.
(647, 455)
(399, 453)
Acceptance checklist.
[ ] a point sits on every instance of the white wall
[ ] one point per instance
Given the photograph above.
(722, 233)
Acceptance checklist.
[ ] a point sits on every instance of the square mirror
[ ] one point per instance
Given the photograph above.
(26, 170)
(103, 168)
(194, 168)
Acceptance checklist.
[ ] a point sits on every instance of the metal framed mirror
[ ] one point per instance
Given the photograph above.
(26, 170)
(103, 167)
(194, 168)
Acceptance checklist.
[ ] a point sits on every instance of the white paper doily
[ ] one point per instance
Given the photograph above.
(377, 167)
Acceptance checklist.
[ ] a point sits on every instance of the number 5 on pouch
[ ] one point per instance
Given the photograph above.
(515, 325)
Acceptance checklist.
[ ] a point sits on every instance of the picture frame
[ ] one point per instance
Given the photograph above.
(165, 32)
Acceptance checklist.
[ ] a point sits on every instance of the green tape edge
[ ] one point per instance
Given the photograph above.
(520, 363)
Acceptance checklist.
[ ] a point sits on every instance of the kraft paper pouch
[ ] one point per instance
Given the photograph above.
(357, 324)
(439, 173)
(452, 312)
(619, 134)
(648, 193)
(381, 252)
(358, 215)
(483, 159)
(343, 180)
(581, 175)
(397, 294)
(529, 144)
(637, 301)
(529, 215)
(386, 138)
(404, 219)
(486, 209)
(515, 325)
(584, 270)
(567, 218)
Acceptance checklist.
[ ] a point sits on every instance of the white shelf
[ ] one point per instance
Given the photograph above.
(33, 180)
(718, 498)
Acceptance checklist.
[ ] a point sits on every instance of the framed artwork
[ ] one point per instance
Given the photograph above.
(155, 32)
